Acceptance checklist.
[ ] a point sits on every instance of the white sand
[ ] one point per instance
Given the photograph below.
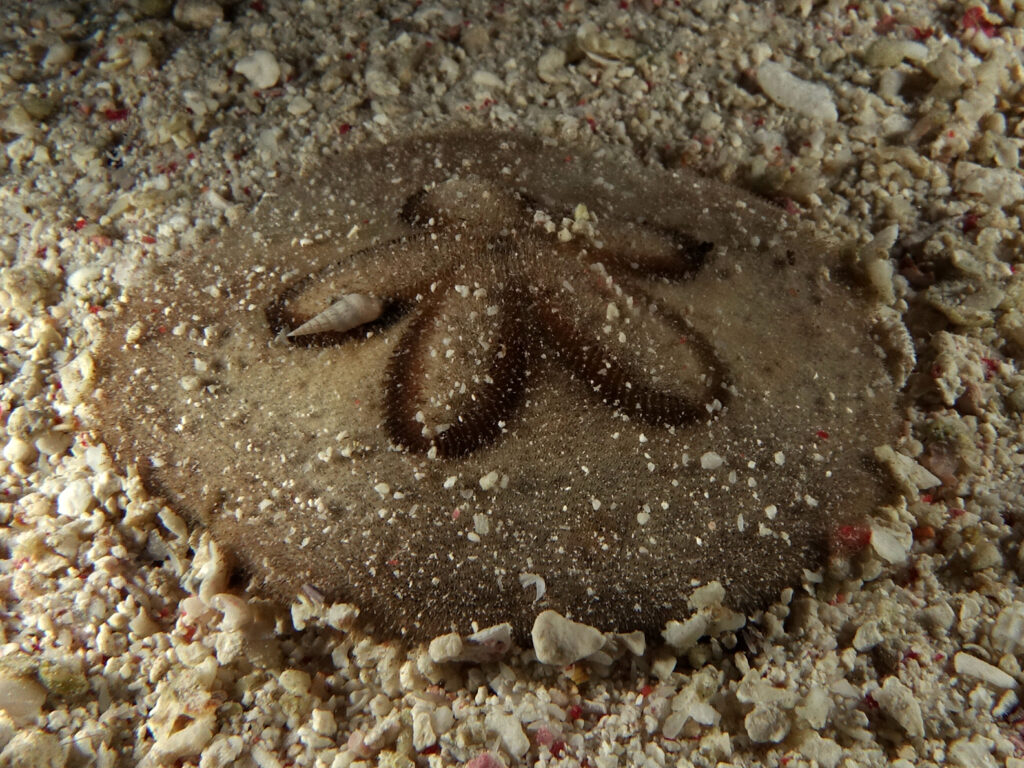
(127, 134)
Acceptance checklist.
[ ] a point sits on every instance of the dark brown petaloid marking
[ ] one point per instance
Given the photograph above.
(508, 265)
(493, 402)
(623, 381)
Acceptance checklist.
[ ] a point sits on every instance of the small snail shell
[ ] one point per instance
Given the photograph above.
(348, 312)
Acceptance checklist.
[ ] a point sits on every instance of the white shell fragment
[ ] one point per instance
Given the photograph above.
(509, 731)
(348, 312)
(812, 100)
(560, 641)
(897, 700)
(260, 68)
(971, 666)
(21, 699)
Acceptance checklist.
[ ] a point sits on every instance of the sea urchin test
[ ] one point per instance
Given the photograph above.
(473, 376)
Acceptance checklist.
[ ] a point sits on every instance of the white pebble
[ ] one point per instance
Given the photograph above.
(192, 654)
(193, 609)
(766, 724)
(938, 617)
(634, 642)
(134, 333)
(559, 641)
(21, 149)
(19, 122)
(80, 279)
(1008, 631)
(34, 749)
(663, 666)
(891, 545)
(487, 644)
(445, 648)
(824, 752)
(812, 100)
(509, 730)
(711, 460)
(295, 681)
(1007, 702)
(323, 722)
(300, 105)
(76, 500)
(380, 84)
(975, 752)
(551, 66)
(341, 615)
(486, 79)
(972, 666)
(444, 719)
(142, 56)
(58, 54)
(18, 451)
(815, 708)
(260, 68)
(423, 735)
(996, 186)
(907, 471)
(77, 377)
(898, 702)
(673, 725)
(682, 636)
(888, 52)
(53, 443)
(703, 713)
(878, 266)
(213, 570)
(22, 699)
(867, 637)
(236, 612)
(105, 484)
(222, 752)
(201, 14)
(142, 625)
(186, 742)
(690, 706)
(710, 595)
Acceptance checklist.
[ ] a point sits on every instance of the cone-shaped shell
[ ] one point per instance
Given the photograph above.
(348, 312)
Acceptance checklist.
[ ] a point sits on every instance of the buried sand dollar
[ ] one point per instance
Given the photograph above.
(472, 377)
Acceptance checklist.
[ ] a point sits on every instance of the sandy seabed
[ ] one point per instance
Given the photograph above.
(139, 130)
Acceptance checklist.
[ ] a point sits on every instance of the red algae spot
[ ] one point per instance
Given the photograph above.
(472, 377)
(850, 539)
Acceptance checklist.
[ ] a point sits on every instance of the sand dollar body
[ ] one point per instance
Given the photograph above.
(624, 382)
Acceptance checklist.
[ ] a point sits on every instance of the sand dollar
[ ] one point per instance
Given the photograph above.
(539, 377)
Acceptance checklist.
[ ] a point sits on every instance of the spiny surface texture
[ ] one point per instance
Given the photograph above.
(471, 377)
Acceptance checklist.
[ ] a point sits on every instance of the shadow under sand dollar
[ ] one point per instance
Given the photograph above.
(472, 376)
